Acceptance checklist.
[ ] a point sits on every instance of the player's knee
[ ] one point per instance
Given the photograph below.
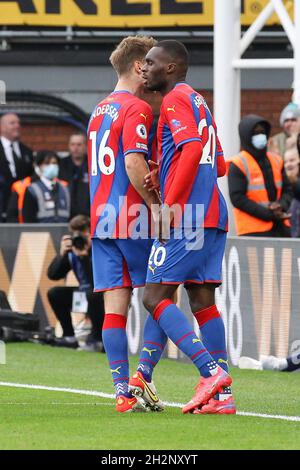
(201, 297)
(147, 302)
(150, 302)
(196, 306)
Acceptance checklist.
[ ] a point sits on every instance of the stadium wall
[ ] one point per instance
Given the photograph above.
(55, 136)
(259, 298)
(263, 91)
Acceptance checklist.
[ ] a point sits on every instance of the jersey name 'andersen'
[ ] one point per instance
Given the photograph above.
(108, 109)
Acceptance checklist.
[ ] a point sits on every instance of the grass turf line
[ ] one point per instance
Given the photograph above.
(34, 422)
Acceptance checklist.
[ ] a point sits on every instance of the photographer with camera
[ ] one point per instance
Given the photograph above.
(75, 254)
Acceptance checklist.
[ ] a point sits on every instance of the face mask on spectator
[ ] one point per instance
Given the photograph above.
(259, 141)
(50, 171)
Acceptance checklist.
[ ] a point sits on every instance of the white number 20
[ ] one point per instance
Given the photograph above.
(103, 152)
(209, 150)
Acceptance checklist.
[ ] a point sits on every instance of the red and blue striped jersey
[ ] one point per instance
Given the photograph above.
(119, 125)
(185, 117)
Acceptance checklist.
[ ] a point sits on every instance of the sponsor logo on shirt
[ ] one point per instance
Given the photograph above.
(179, 130)
(141, 146)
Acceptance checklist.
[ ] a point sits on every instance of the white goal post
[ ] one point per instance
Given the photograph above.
(229, 47)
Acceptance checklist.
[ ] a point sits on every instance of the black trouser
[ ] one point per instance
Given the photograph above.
(61, 299)
(279, 230)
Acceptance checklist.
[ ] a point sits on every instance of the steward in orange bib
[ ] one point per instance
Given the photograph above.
(258, 186)
(41, 198)
(16, 201)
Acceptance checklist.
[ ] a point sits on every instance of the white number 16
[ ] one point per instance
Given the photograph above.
(103, 152)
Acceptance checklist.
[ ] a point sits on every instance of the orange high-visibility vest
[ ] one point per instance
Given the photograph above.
(20, 188)
(256, 191)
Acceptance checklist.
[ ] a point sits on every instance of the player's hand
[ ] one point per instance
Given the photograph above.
(165, 219)
(155, 220)
(152, 178)
(65, 245)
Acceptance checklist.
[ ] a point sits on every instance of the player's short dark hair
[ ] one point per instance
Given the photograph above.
(44, 156)
(128, 51)
(176, 50)
(79, 223)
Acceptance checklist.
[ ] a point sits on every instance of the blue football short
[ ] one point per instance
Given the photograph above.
(120, 263)
(182, 260)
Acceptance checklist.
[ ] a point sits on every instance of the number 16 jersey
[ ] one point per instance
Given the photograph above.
(119, 125)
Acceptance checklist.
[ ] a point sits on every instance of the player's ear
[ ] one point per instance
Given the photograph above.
(138, 66)
(171, 68)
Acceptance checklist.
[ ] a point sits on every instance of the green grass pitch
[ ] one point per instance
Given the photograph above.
(35, 419)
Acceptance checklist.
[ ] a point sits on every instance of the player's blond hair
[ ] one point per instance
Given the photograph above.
(130, 49)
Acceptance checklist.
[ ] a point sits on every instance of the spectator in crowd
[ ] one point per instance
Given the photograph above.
(16, 160)
(74, 170)
(290, 123)
(258, 186)
(47, 200)
(75, 254)
(292, 167)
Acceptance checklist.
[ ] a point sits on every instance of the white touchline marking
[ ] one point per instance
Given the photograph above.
(57, 389)
(109, 395)
(262, 415)
(54, 403)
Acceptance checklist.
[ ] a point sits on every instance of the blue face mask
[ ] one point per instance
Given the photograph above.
(50, 171)
(259, 141)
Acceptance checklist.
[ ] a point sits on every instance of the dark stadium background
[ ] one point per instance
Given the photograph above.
(72, 64)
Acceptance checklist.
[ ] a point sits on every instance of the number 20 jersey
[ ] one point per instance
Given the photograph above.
(119, 125)
(185, 117)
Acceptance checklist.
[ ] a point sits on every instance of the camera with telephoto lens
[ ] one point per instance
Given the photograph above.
(79, 241)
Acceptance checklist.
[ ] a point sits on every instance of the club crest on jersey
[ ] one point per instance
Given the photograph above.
(176, 123)
(142, 131)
